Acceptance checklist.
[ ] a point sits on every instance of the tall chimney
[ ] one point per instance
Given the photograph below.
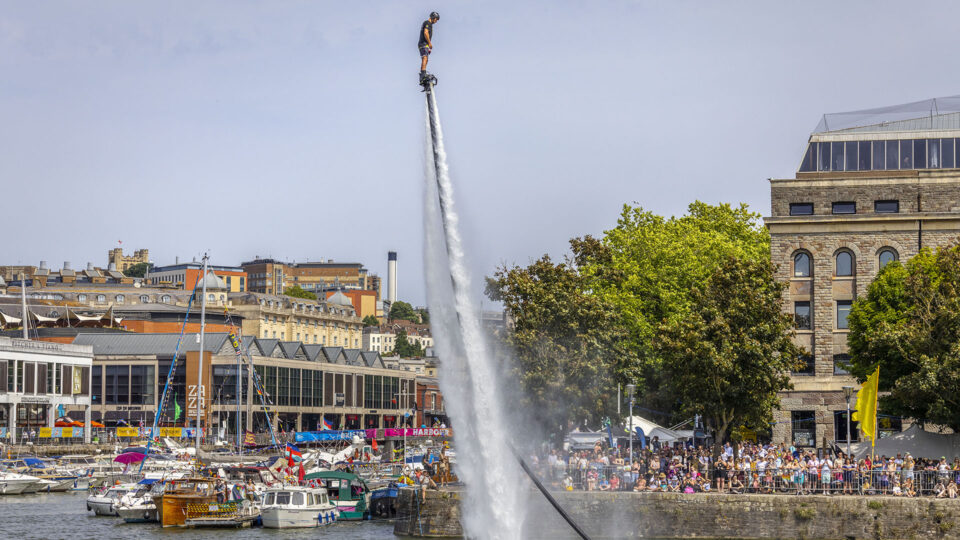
(392, 276)
(43, 265)
(66, 265)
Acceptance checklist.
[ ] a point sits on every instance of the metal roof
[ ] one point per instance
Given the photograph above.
(928, 114)
(148, 344)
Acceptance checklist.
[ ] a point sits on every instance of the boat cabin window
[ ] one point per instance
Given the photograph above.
(298, 498)
(283, 497)
(323, 499)
(268, 499)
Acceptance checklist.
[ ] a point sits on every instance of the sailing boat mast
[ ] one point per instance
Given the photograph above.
(200, 397)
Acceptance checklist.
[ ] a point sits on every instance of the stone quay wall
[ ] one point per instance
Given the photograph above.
(702, 516)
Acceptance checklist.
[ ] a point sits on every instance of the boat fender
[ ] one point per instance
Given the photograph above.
(88, 507)
(146, 514)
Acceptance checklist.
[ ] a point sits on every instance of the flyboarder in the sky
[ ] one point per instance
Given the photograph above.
(425, 43)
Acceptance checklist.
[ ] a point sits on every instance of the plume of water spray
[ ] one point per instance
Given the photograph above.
(469, 379)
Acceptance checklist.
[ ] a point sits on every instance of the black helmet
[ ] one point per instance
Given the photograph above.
(434, 15)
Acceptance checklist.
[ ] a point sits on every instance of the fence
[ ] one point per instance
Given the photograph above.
(783, 481)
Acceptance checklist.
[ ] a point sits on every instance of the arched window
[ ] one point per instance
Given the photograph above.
(101, 298)
(144, 299)
(801, 265)
(81, 298)
(120, 298)
(844, 264)
(211, 297)
(887, 255)
(165, 299)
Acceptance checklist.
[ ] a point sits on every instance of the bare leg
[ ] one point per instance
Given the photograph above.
(423, 63)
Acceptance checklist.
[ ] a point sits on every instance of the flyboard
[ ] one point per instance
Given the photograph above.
(428, 81)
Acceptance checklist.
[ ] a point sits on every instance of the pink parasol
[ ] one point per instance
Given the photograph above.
(129, 457)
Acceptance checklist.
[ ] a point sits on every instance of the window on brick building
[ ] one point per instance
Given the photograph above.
(887, 256)
(845, 207)
(840, 427)
(801, 209)
(886, 207)
(801, 315)
(843, 311)
(844, 265)
(841, 364)
(807, 365)
(801, 265)
(803, 428)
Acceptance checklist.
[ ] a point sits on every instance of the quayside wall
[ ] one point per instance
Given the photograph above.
(702, 516)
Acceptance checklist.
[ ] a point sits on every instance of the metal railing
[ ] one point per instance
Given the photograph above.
(898, 482)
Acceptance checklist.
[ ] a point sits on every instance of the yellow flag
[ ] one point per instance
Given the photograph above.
(867, 406)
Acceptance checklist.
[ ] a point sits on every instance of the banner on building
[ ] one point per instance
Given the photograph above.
(45, 433)
(417, 432)
(328, 435)
(128, 432)
(174, 432)
(77, 380)
(71, 432)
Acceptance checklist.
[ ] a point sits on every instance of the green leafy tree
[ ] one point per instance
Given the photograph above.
(733, 351)
(908, 323)
(565, 341)
(298, 292)
(137, 270)
(370, 320)
(591, 322)
(403, 310)
(403, 348)
(424, 316)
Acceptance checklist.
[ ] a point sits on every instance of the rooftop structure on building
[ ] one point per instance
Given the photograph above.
(913, 136)
(43, 276)
(874, 186)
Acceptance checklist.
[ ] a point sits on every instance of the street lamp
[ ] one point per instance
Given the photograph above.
(847, 394)
(631, 388)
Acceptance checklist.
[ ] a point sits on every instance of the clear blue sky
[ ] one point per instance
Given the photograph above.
(295, 129)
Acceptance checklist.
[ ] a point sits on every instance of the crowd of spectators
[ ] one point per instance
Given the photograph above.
(749, 468)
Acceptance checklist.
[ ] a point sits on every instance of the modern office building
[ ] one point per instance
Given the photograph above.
(874, 186)
(271, 276)
(37, 379)
(304, 384)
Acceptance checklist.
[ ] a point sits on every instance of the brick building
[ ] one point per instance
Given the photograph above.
(874, 186)
(271, 276)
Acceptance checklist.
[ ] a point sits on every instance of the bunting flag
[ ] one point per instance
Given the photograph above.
(249, 438)
(866, 412)
(176, 409)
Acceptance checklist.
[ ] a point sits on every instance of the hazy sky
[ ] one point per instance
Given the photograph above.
(295, 129)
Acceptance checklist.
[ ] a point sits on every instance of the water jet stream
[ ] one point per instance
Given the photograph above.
(493, 507)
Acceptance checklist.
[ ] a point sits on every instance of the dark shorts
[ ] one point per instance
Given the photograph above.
(424, 51)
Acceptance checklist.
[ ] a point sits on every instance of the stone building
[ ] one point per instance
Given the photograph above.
(330, 323)
(121, 262)
(271, 276)
(874, 186)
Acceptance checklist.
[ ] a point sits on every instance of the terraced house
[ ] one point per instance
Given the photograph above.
(874, 186)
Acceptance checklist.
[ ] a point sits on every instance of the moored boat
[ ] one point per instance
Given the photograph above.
(297, 507)
(12, 483)
(103, 502)
(347, 490)
(178, 495)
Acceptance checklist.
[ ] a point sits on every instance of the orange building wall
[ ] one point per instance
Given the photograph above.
(364, 302)
(153, 327)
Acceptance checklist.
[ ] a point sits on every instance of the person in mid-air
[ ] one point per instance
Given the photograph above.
(425, 44)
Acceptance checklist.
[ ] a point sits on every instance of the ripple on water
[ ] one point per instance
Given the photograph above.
(56, 516)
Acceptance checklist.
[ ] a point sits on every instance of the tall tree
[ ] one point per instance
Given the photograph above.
(370, 320)
(297, 292)
(403, 348)
(908, 323)
(137, 270)
(733, 351)
(403, 310)
(565, 340)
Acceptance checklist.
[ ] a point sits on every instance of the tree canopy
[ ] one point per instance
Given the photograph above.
(595, 320)
(908, 323)
(733, 352)
(403, 348)
(137, 270)
(370, 320)
(298, 292)
(403, 310)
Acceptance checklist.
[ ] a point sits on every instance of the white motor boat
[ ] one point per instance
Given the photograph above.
(139, 507)
(12, 483)
(293, 507)
(104, 501)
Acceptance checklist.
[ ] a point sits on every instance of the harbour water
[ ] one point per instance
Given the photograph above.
(64, 516)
